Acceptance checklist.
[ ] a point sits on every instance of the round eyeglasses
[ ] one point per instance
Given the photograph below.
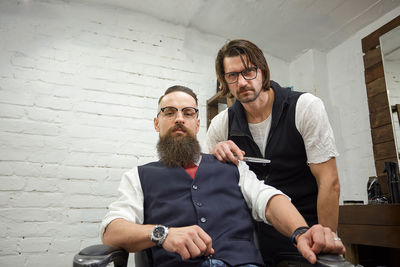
(247, 74)
(170, 113)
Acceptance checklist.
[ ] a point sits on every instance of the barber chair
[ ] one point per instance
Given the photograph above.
(103, 255)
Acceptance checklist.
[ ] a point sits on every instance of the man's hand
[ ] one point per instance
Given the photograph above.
(188, 242)
(228, 151)
(319, 239)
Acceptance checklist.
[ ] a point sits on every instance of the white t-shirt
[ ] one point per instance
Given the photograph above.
(129, 206)
(311, 121)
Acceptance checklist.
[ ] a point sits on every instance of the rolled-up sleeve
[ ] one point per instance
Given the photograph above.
(129, 205)
(255, 192)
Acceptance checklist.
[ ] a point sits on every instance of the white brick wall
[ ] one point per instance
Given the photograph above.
(79, 86)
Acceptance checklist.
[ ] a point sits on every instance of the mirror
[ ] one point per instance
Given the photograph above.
(390, 49)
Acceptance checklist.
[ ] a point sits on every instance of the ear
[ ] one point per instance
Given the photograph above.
(197, 125)
(156, 125)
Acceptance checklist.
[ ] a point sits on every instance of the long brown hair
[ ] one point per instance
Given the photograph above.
(249, 53)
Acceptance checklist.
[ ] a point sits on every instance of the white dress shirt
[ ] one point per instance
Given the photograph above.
(129, 206)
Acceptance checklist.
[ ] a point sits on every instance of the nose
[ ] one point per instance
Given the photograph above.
(241, 80)
(179, 118)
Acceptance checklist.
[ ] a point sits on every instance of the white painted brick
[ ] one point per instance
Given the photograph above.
(81, 230)
(14, 97)
(106, 188)
(37, 229)
(20, 141)
(35, 244)
(4, 226)
(11, 111)
(4, 198)
(115, 174)
(12, 260)
(88, 201)
(116, 99)
(74, 187)
(6, 168)
(29, 127)
(50, 259)
(11, 183)
(48, 156)
(86, 215)
(78, 172)
(8, 246)
(112, 110)
(41, 184)
(57, 103)
(37, 199)
(32, 214)
(69, 245)
(93, 145)
(24, 168)
(48, 115)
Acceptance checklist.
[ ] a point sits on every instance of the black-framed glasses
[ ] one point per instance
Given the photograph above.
(247, 74)
(170, 113)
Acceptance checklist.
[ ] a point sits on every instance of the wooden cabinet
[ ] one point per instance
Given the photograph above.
(371, 233)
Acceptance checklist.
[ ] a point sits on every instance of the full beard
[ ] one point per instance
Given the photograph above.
(178, 150)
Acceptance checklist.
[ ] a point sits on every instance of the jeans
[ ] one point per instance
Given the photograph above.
(218, 263)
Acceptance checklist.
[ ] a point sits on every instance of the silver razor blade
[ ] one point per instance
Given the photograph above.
(256, 160)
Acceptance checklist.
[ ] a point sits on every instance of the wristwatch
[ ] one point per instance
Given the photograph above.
(159, 234)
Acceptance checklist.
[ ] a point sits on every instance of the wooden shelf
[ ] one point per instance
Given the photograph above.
(212, 105)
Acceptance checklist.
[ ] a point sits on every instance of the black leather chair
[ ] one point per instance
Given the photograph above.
(102, 255)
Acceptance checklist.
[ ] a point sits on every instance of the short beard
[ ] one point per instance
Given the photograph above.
(178, 150)
(256, 95)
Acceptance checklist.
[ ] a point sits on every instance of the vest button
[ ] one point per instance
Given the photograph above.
(194, 187)
(199, 204)
(203, 220)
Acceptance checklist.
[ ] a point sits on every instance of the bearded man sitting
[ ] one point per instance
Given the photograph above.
(193, 210)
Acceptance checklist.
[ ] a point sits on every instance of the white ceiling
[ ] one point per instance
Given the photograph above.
(283, 28)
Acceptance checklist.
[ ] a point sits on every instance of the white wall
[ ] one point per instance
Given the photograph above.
(79, 87)
(337, 77)
(349, 99)
(78, 92)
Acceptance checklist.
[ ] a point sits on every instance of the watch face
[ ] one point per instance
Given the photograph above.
(159, 232)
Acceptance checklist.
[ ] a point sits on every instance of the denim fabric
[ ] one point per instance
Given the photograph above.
(218, 263)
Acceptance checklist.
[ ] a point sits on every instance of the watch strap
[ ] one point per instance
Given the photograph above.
(300, 230)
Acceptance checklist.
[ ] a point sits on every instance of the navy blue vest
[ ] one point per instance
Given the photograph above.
(212, 200)
(288, 170)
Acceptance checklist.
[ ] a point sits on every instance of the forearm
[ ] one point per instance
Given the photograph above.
(283, 215)
(328, 207)
(327, 179)
(130, 236)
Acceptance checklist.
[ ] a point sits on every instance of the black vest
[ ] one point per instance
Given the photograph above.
(288, 170)
(212, 200)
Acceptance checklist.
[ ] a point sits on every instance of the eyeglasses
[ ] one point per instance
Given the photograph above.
(170, 113)
(247, 74)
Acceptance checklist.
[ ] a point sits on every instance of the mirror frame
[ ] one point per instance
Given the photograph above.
(380, 112)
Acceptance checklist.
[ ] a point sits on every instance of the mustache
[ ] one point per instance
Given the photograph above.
(242, 89)
(178, 126)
